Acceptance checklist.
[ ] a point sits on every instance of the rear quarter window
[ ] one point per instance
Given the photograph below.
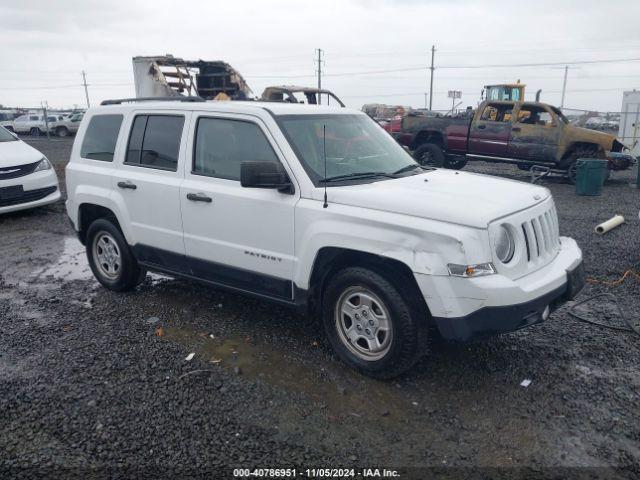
(154, 141)
(100, 138)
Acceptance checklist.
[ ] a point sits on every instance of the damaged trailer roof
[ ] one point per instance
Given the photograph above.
(167, 76)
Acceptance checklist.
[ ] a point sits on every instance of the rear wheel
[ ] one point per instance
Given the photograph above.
(370, 325)
(110, 257)
(35, 132)
(429, 154)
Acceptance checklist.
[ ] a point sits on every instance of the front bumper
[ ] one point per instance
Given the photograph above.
(29, 191)
(464, 308)
(495, 320)
(619, 161)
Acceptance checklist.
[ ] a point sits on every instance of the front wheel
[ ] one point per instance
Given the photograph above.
(62, 132)
(34, 132)
(370, 325)
(110, 257)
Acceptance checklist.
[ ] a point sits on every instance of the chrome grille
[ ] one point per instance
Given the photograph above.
(541, 235)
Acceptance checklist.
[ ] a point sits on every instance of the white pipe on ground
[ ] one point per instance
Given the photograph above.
(612, 223)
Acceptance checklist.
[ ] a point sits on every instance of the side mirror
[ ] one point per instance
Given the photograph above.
(256, 174)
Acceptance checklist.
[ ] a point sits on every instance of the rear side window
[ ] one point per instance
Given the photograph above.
(101, 136)
(497, 112)
(154, 141)
(221, 145)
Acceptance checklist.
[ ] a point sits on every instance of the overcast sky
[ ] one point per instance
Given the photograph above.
(45, 46)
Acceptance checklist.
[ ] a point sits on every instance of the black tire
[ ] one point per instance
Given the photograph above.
(128, 274)
(429, 155)
(409, 332)
(34, 132)
(454, 162)
(62, 131)
(570, 162)
(524, 167)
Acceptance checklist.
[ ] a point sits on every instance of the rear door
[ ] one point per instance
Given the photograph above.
(238, 237)
(490, 131)
(147, 186)
(535, 134)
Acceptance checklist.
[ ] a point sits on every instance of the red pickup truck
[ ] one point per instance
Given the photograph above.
(522, 133)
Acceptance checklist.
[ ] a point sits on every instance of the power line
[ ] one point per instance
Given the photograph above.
(61, 87)
(423, 68)
(545, 64)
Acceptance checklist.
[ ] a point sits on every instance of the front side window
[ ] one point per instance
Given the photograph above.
(34, 118)
(535, 115)
(100, 139)
(353, 145)
(154, 141)
(222, 144)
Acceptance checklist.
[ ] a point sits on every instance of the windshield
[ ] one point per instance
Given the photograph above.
(354, 144)
(5, 136)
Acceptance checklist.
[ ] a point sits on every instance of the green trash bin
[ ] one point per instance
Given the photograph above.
(590, 176)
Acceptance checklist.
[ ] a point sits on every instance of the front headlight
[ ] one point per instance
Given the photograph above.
(503, 244)
(43, 165)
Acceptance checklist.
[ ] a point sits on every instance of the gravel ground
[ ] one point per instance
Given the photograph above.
(96, 384)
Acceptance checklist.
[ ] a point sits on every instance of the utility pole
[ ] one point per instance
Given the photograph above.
(46, 118)
(433, 53)
(564, 86)
(319, 71)
(425, 99)
(86, 90)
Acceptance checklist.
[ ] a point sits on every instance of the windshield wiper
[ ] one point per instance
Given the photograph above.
(412, 166)
(356, 176)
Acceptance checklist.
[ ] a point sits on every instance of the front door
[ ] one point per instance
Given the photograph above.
(238, 237)
(490, 130)
(147, 184)
(534, 135)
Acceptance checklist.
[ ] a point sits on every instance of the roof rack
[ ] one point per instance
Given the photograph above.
(118, 101)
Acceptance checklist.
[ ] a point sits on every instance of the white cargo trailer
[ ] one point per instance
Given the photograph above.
(629, 132)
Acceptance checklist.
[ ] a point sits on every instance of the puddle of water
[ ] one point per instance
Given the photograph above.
(351, 395)
(70, 265)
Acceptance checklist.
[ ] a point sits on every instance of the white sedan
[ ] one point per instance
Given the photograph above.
(27, 179)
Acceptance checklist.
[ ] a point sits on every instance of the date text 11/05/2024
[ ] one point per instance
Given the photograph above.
(316, 473)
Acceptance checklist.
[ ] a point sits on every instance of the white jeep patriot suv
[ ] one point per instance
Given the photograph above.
(317, 208)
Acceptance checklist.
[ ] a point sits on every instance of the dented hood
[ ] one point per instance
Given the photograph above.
(462, 198)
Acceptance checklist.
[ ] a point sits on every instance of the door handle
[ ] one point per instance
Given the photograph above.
(199, 197)
(481, 127)
(516, 129)
(129, 185)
